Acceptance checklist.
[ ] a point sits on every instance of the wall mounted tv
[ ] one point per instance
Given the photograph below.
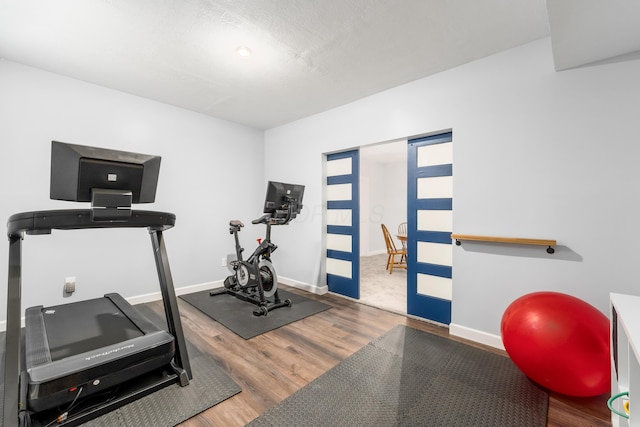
(79, 173)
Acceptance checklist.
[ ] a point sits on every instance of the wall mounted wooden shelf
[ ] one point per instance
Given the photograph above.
(513, 240)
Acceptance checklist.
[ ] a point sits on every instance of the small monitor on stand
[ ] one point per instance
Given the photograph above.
(283, 201)
(110, 179)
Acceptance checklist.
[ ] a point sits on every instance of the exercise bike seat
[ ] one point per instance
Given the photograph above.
(236, 223)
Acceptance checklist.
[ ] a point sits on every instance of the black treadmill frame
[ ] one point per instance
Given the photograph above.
(43, 222)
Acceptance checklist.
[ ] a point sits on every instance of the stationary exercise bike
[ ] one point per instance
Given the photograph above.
(255, 280)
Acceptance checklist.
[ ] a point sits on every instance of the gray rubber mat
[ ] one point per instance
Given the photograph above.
(237, 315)
(411, 378)
(174, 404)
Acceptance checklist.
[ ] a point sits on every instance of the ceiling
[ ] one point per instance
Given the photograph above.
(308, 56)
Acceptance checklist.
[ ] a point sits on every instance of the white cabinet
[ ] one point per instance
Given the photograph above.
(625, 357)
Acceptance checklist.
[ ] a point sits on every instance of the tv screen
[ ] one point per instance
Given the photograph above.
(78, 172)
(283, 200)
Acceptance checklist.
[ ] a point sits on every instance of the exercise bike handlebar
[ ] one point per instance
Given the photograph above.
(262, 220)
(271, 219)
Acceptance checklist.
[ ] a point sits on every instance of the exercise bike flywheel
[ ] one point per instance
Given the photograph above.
(268, 277)
(242, 274)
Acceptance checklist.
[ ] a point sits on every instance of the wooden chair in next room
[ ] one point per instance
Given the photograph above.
(402, 236)
(393, 252)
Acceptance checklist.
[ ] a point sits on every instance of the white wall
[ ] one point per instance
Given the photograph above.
(386, 202)
(394, 207)
(211, 171)
(537, 154)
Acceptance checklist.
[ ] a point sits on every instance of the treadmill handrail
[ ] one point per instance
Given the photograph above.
(42, 222)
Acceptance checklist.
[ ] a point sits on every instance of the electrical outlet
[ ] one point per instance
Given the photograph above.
(69, 285)
(223, 262)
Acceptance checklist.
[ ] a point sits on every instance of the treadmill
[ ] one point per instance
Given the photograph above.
(115, 344)
(102, 350)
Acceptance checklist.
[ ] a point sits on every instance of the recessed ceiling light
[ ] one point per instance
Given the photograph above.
(243, 51)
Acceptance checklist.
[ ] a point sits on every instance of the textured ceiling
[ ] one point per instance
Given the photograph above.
(309, 56)
(589, 31)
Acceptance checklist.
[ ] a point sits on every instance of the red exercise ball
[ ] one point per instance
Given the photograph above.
(560, 342)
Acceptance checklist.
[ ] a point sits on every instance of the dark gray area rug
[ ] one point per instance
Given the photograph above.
(166, 407)
(237, 315)
(411, 378)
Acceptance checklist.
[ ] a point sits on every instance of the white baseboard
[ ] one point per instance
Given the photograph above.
(3, 324)
(314, 289)
(154, 296)
(372, 253)
(454, 329)
(476, 336)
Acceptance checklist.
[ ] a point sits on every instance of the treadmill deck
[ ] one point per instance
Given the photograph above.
(87, 347)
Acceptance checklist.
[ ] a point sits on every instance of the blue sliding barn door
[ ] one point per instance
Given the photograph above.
(343, 224)
(429, 226)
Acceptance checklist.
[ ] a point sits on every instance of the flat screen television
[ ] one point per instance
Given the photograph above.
(78, 171)
(283, 200)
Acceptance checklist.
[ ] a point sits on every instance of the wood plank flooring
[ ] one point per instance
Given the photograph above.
(274, 365)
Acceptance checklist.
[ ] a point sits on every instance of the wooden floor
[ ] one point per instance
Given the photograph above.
(274, 365)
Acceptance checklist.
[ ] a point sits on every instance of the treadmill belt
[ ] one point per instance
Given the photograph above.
(92, 345)
(102, 322)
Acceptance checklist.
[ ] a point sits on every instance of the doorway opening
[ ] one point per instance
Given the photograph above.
(405, 181)
(383, 200)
